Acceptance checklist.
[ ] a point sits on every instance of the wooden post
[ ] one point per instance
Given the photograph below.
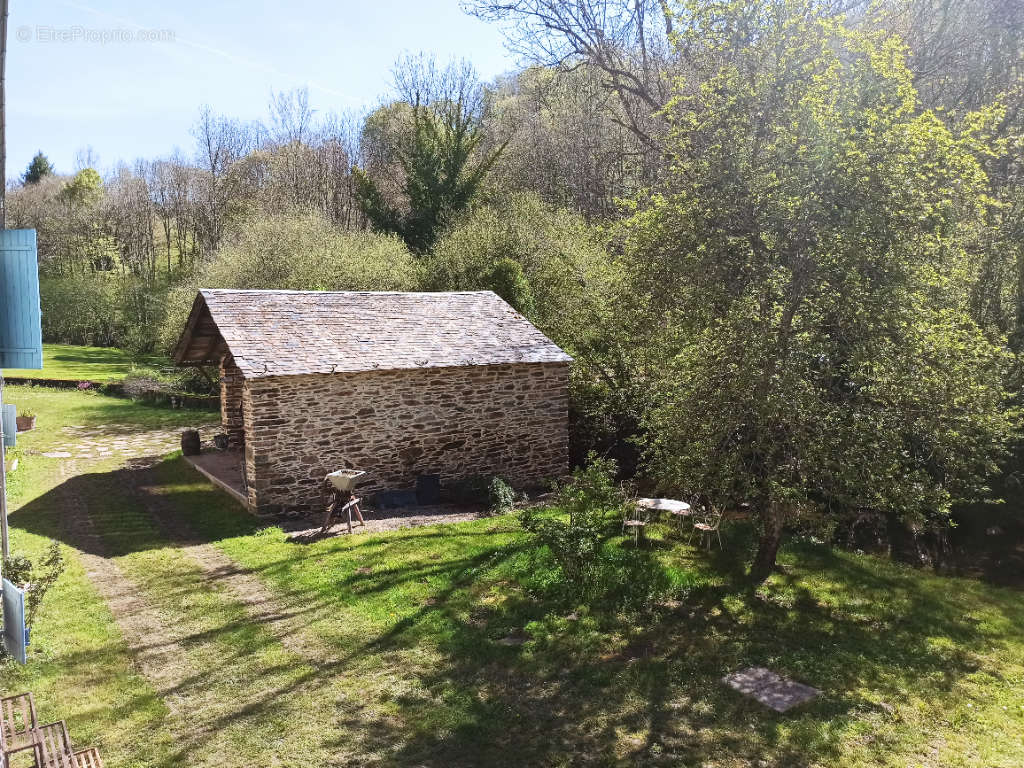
(5, 548)
(3, 114)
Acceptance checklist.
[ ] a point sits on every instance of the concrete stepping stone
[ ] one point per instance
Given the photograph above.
(769, 688)
(57, 455)
(512, 641)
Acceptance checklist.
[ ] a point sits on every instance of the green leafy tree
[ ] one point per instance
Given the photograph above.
(296, 252)
(441, 162)
(506, 279)
(38, 169)
(808, 267)
(84, 188)
(563, 267)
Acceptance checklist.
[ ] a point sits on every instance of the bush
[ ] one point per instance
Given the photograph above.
(296, 252)
(577, 539)
(501, 497)
(560, 266)
(588, 499)
(36, 578)
(506, 279)
(103, 309)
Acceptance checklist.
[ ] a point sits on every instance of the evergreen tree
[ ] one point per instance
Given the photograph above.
(38, 169)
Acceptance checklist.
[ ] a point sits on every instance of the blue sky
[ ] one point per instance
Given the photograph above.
(69, 88)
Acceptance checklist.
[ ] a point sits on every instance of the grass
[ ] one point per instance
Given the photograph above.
(402, 661)
(65, 362)
(56, 409)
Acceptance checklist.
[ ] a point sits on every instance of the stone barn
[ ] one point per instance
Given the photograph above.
(396, 384)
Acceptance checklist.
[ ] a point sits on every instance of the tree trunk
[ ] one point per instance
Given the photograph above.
(768, 545)
(905, 542)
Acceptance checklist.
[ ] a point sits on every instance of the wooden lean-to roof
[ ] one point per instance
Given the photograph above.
(291, 333)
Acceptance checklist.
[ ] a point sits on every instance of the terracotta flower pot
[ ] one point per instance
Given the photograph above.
(25, 423)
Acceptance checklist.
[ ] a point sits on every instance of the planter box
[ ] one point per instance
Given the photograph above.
(25, 423)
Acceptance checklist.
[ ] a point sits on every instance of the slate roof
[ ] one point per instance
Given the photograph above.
(290, 333)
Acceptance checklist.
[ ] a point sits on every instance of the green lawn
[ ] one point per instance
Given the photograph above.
(70, 363)
(388, 649)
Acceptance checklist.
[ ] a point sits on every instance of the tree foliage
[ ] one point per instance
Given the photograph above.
(563, 273)
(440, 159)
(38, 169)
(297, 252)
(810, 255)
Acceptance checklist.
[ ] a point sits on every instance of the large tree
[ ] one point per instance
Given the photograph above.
(809, 264)
(438, 153)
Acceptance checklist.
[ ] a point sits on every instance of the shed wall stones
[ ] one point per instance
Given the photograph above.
(510, 420)
(231, 418)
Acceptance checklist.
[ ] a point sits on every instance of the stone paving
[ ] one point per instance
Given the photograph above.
(770, 688)
(114, 442)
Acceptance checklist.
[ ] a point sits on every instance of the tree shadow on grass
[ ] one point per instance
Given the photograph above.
(658, 699)
(482, 672)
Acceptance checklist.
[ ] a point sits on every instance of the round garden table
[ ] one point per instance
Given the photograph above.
(680, 510)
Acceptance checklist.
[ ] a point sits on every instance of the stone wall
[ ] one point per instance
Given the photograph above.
(510, 420)
(231, 417)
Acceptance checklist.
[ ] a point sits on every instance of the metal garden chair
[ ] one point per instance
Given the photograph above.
(635, 518)
(710, 525)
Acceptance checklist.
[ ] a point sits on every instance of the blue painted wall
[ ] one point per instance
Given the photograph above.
(21, 332)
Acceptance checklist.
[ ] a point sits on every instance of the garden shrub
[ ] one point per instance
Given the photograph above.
(576, 539)
(37, 577)
(501, 497)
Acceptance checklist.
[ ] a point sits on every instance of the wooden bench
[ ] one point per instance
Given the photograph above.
(53, 749)
(17, 722)
(50, 743)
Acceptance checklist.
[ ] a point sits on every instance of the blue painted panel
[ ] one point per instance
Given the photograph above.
(9, 417)
(21, 332)
(15, 633)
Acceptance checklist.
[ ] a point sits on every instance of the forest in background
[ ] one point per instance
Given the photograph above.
(783, 240)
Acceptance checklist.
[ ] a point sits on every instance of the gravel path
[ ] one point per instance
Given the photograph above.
(308, 528)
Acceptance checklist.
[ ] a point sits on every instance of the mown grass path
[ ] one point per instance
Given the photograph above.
(278, 616)
(152, 640)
